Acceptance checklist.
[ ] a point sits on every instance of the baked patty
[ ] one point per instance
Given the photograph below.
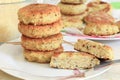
(73, 1)
(73, 60)
(39, 14)
(99, 50)
(40, 31)
(42, 44)
(40, 56)
(99, 6)
(99, 18)
(71, 9)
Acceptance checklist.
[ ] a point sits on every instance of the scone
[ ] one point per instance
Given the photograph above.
(39, 14)
(99, 6)
(40, 56)
(100, 24)
(41, 30)
(42, 44)
(94, 29)
(72, 21)
(99, 18)
(99, 50)
(118, 24)
(71, 9)
(73, 1)
(73, 60)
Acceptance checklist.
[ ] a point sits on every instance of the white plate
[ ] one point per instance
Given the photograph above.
(12, 62)
(74, 32)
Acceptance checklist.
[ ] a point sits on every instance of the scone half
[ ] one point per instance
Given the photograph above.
(42, 44)
(99, 50)
(73, 60)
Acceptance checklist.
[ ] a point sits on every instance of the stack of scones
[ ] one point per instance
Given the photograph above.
(73, 11)
(40, 25)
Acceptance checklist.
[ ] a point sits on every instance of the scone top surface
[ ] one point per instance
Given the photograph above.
(100, 18)
(39, 14)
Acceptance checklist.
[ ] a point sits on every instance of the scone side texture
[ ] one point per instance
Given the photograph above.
(94, 29)
(42, 44)
(41, 56)
(69, 9)
(40, 31)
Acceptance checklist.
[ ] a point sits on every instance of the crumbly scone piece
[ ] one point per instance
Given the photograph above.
(73, 60)
(39, 14)
(40, 56)
(42, 44)
(71, 9)
(99, 50)
(73, 1)
(40, 31)
(99, 6)
(118, 24)
(100, 29)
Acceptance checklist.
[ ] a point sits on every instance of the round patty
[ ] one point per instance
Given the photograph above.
(70, 9)
(41, 56)
(39, 14)
(73, 1)
(42, 44)
(99, 18)
(40, 31)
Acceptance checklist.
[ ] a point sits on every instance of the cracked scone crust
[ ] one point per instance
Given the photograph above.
(40, 56)
(73, 60)
(71, 9)
(99, 50)
(42, 44)
(73, 1)
(40, 31)
(39, 14)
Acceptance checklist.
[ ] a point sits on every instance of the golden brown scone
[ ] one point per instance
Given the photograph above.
(100, 29)
(42, 44)
(99, 18)
(71, 9)
(99, 6)
(39, 14)
(40, 56)
(72, 21)
(118, 24)
(73, 60)
(100, 24)
(99, 50)
(73, 1)
(40, 31)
